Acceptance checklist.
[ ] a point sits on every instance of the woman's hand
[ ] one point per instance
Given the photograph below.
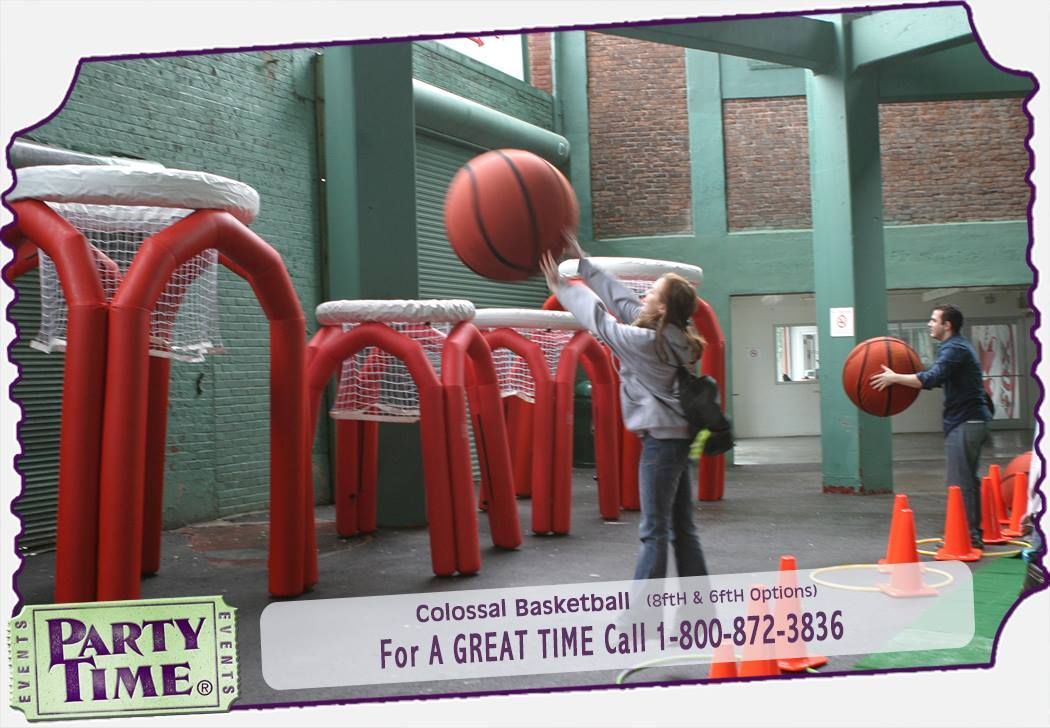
(550, 272)
(572, 245)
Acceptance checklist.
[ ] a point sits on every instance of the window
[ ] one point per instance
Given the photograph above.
(917, 336)
(798, 358)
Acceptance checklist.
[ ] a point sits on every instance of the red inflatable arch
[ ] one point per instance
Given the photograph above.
(529, 427)
(467, 374)
(585, 349)
(127, 415)
(128, 382)
(635, 271)
(331, 350)
(466, 349)
(542, 339)
(39, 227)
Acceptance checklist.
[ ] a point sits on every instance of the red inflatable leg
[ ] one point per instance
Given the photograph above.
(367, 500)
(348, 453)
(156, 442)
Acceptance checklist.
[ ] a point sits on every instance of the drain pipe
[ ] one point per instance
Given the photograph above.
(450, 115)
(31, 154)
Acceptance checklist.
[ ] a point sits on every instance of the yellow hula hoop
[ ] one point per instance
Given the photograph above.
(947, 578)
(984, 554)
(700, 659)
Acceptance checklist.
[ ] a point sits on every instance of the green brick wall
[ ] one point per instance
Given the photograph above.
(251, 117)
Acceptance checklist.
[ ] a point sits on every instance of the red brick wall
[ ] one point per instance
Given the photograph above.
(954, 161)
(767, 163)
(639, 137)
(947, 161)
(540, 61)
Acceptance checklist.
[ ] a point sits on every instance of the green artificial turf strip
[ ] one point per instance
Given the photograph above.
(996, 586)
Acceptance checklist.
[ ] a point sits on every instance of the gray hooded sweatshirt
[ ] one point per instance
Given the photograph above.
(648, 391)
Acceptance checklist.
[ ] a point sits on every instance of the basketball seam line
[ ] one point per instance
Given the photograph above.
(484, 231)
(528, 203)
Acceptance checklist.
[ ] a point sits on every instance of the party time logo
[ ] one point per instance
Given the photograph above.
(145, 657)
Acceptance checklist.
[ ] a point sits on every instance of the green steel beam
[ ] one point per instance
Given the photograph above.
(370, 199)
(791, 41)
(849, 263)
(894, 34)
(706, 143)
(708, 187)
(963, 72)
(569, 75)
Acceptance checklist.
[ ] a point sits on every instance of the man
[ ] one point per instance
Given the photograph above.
(966, 412)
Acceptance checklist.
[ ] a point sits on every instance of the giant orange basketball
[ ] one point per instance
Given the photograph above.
(504, 209)
(867, 359)
(1020, 464)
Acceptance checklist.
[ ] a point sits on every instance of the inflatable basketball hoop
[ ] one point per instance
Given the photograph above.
(536, 355)
(127, 259)
(638, 274)
(407, 361)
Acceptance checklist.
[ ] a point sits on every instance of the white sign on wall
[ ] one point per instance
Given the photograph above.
(842, 321)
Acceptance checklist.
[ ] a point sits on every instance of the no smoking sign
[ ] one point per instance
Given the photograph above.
(842, 321)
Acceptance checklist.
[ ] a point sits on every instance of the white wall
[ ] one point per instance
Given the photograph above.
(763, 407)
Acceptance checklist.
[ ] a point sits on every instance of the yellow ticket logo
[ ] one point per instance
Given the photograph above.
(146, 657)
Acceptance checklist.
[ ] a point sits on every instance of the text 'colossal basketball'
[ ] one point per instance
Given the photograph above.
(867, 359)
(504, 209)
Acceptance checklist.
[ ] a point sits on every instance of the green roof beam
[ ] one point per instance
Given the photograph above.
(895, 34)
(792, 41)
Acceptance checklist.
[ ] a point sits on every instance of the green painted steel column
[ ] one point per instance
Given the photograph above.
(708, 181)
(849, 266)
(570, 92)
(370, 193)
(706, 144)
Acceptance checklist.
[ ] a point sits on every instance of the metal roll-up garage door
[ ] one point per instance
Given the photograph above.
(39, 390)
(441, 274)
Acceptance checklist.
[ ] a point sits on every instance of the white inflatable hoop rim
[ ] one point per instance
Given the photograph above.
(136, 187)
(334, 313)
(525, 318)
(637, 268)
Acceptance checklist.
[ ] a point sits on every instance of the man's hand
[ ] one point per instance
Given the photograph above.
(550, 272)
(884, 378)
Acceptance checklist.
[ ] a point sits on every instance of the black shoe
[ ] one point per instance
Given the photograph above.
(977, 543)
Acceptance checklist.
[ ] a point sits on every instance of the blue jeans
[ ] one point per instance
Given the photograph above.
(667, 511)
(963, 450)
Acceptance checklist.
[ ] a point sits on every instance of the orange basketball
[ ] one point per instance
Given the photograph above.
(504, 209)
(1020, 464)
(867, 359)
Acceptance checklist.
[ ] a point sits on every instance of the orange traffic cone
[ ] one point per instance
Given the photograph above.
(757, 660)
(906, 571)
(956, 531)
(723, 663)
(792, 656)
(990, 532)
(996, 477)
(900, 502)
(1019, 507)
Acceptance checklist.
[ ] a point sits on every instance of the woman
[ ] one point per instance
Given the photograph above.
(658, 338)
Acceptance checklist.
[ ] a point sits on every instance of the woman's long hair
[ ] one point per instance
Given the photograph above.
(679, 299)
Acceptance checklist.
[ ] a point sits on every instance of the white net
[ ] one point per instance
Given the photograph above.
(639, 286)
(515, 377)
(375, 385)
(184, 322)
